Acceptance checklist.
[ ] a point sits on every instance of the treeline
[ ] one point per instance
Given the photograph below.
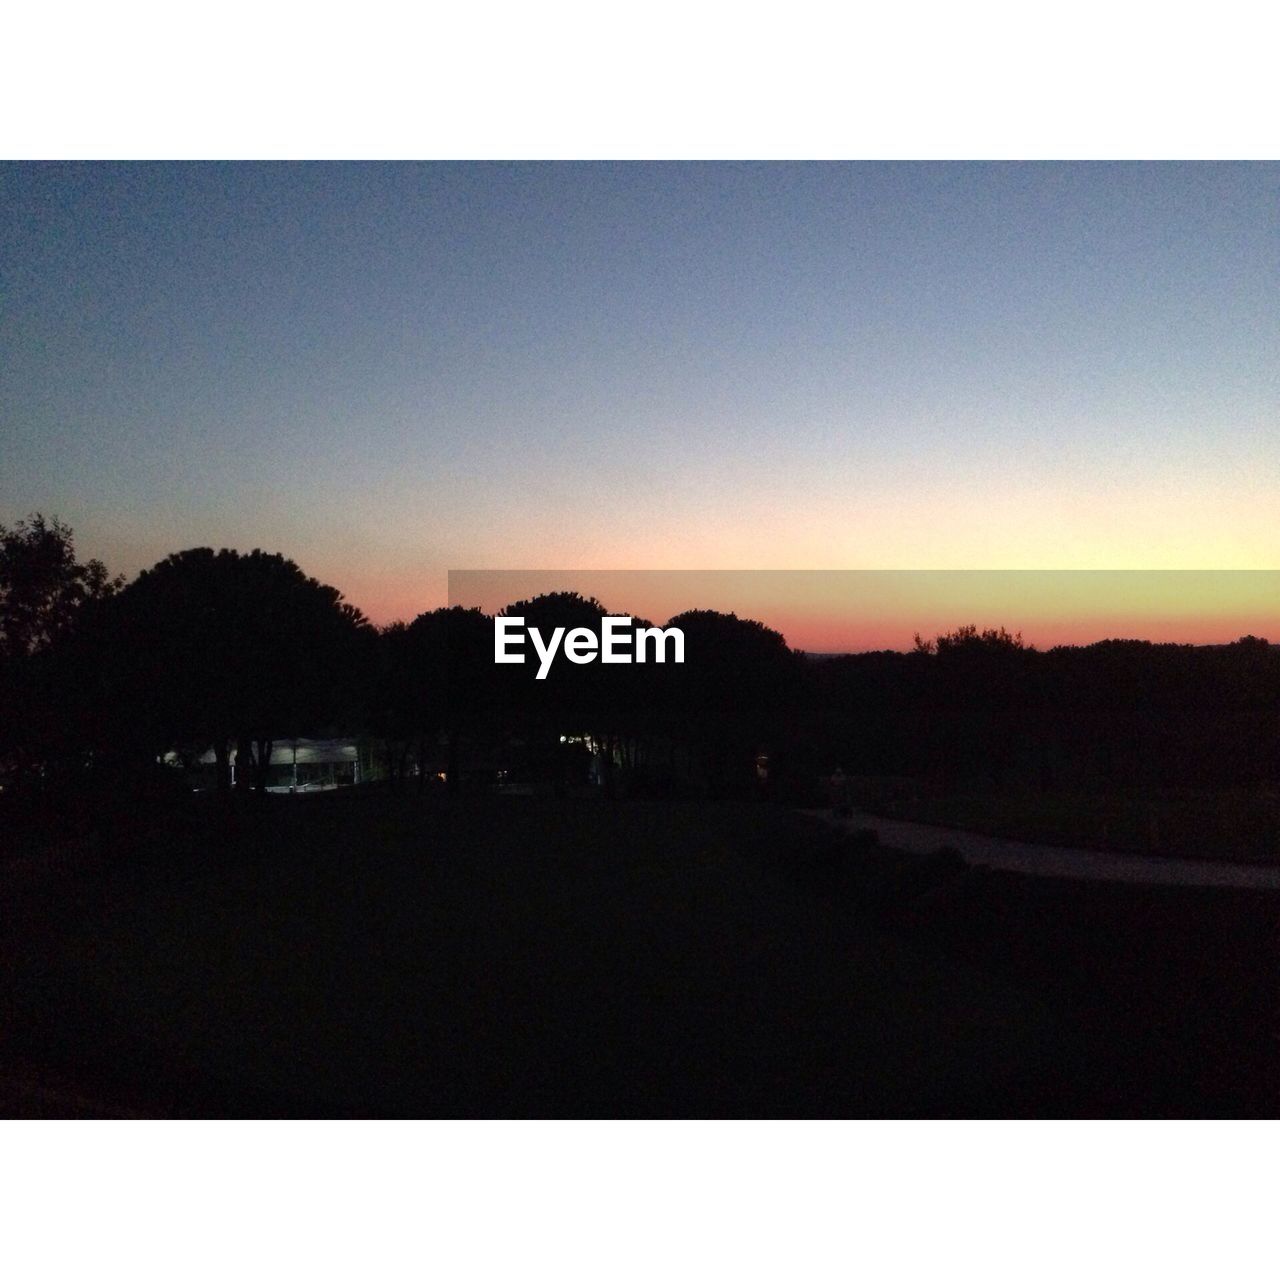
(231, 653)
(979, 709)
(228, 653)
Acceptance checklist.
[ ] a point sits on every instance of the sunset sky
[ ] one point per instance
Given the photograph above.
(387, 372)
(837, 611)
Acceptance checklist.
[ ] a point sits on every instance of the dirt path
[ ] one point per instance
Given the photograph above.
(1048, 860)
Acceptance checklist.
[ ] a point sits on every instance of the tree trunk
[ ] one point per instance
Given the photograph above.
(452, 779)
(222, 766)
(606, 753)
(265, 747)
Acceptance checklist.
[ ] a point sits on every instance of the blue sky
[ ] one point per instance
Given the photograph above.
(388, 371)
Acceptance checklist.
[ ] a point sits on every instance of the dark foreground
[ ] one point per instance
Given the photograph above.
(367, 955)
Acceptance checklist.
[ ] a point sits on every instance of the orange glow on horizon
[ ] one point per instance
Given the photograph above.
(858, 610)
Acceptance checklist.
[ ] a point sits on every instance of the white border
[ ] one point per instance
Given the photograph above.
(687, 80)
(640, 1200)
(683, 81)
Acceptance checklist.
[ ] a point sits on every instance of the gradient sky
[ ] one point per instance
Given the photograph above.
(841, 611)
(389, 371)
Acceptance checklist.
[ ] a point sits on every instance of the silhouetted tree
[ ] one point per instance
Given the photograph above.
(42, 585)
(737, 694)
(435, 688)
(44, 591)
(976, 683)
(218, 648)
(573, 701)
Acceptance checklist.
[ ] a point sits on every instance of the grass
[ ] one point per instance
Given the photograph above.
(373, 955)
(351, 955)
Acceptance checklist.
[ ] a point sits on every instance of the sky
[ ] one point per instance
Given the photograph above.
(851, 610)
(390, 371)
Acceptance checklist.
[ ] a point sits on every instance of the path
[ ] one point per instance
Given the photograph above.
(1048, 860)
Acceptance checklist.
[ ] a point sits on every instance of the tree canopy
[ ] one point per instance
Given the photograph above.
(42, 585)
(214, 647)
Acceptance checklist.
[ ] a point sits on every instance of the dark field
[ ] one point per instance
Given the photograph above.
(372, 955)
